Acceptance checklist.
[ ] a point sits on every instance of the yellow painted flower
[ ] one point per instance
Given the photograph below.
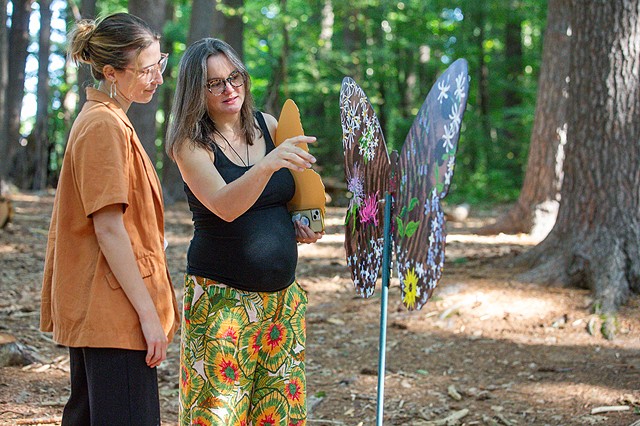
(410, 289)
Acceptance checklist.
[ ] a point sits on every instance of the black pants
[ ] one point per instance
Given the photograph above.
(111, 387)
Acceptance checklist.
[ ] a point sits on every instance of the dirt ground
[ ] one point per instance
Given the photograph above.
(487, 348)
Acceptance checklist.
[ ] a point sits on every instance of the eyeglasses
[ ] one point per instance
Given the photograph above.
(149, 73)
(218, 85)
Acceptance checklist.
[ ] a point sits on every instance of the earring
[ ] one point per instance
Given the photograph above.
(112, 90)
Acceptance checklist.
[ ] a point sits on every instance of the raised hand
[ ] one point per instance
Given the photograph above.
(289, 155)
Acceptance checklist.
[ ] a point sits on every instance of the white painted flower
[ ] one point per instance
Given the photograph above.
(427, 208)
(443, 88)
(449, 173)
(456, 115)
(449, 133)
(460, 86)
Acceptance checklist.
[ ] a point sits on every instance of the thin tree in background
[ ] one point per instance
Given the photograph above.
(18, 43)
(143, 116)
(537, 206)
(87, 11)
(229, 25)
(4, 139)
(41, 139)
(278, 83)
(172, 187)
(595, 242)
(219, 19)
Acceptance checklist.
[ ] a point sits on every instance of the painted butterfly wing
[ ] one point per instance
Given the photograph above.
(367, 173)
(426, 166)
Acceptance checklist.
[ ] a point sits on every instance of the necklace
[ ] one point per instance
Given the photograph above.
(238, 155)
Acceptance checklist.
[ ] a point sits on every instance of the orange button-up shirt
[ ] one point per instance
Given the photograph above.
(82, 301)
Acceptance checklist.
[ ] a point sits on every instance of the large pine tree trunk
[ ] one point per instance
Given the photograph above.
(537, 206)
(143, 117)
(41, 160)
(595, 243)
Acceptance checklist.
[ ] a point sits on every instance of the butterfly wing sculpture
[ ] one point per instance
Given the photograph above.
(367, 170)
(419, 182)
(425, 170)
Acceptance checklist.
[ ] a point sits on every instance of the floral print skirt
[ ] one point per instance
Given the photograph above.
(242, 356)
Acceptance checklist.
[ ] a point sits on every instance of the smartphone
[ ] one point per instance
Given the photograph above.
(313, 218)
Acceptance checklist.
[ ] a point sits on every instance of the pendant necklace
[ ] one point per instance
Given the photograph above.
(238, 155)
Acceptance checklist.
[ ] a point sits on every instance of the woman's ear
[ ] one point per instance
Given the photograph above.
(109, 72)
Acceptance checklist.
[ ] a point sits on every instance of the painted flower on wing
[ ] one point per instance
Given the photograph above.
(369, 210)
(367, 144)
(410, 288)
(443, 88)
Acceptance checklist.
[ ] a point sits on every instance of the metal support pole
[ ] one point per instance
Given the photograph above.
(386, 269)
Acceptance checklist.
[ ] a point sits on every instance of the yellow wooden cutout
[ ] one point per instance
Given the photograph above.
(309, 187)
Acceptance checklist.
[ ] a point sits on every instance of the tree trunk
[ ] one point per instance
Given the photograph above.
(172, 187)
(41, 159)
(279, 76)
(513, 53)
(233, 28)
(595, 242)
(326, 27)
(18, 43)
(220, 19)
(537, 206)
(143, 117)
(202, 20)
(85, 79)
(4, 140)
(483, 78)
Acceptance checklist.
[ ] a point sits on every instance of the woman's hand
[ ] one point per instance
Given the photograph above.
(156, 339)
(304, 234)
(289, 155)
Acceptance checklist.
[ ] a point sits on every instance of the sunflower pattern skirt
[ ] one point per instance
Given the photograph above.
(242, 356)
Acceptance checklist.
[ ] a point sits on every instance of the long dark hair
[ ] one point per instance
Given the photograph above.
(190, 122)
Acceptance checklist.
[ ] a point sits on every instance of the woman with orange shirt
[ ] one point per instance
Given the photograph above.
(107, 293)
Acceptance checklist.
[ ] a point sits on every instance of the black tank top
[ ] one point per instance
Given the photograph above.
(255, 252)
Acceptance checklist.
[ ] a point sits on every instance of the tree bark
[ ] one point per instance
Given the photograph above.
(18, 43)
(537, 206)
(595, 242)
(41, 160)
(143, 117)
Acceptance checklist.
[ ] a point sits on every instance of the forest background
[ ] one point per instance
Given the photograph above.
(300, 50)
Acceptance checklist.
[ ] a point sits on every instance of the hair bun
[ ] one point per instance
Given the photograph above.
(79, 48)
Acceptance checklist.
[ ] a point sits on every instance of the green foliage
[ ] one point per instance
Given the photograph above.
(394, 50)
